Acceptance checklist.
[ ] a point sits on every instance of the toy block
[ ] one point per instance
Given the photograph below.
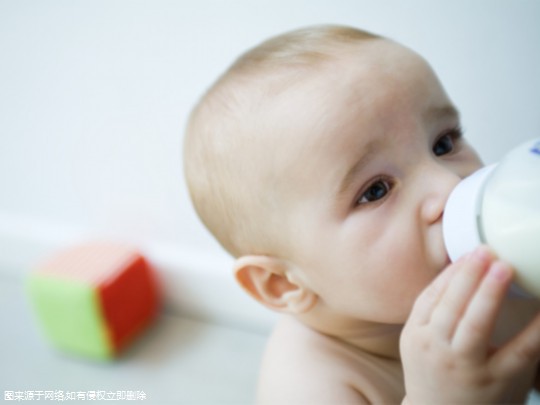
(93, 299)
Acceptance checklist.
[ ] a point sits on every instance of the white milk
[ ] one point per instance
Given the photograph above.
(500, 206)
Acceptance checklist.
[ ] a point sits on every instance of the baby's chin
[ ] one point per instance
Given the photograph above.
(447, 262)
(442, 263)
(443, 260)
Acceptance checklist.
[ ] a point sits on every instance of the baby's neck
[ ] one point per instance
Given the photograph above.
(375, 338)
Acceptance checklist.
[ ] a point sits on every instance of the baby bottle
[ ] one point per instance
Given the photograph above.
(499, 205)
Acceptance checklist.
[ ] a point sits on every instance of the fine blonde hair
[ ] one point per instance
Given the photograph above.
(228, 148)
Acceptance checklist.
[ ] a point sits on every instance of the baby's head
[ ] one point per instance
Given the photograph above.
(322, 160)
(237, 147)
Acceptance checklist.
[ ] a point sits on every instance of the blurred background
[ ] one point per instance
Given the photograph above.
(95, 94)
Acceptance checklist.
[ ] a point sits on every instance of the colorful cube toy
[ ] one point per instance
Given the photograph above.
(95, 298)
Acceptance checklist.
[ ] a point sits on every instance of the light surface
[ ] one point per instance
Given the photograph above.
(179, 361)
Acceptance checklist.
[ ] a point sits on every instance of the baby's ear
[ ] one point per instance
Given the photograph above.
(270, 281)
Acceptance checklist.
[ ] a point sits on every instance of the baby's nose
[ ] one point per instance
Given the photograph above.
(439, 184)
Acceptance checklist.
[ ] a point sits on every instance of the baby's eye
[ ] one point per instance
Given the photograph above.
(376, 191)
(447, 142)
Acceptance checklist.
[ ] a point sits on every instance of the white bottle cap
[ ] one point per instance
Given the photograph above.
(462, 229)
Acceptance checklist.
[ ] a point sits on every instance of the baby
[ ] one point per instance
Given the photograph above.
(322, 161)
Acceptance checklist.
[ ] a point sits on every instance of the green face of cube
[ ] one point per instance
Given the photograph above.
(71, 316)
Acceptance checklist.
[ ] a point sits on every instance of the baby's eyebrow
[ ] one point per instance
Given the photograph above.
(437, 113)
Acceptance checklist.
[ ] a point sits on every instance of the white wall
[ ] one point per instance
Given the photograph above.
(94, 96)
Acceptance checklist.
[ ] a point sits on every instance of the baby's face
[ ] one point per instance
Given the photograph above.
(375, 150)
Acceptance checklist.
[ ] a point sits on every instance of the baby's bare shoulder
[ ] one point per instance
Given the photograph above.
(303, 366)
